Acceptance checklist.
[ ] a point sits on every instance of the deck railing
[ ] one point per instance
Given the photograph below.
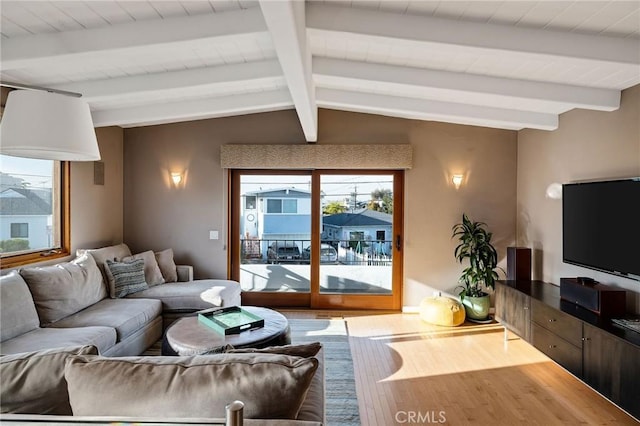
(348, 252)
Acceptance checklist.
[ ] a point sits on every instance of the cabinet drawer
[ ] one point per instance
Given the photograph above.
(558, 349)
(565, 326)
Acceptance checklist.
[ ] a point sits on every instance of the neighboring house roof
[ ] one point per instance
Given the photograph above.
(364, 217)
(25, 202)
(281, 193)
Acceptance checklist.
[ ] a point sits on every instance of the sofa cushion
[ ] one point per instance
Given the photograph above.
(65, 288)
(115, 252)
(18, 314)
(193, 296)
(152, 274)
(271, 386)
(167, 265)
(125, 315)
(125, 277)
(33, 382)
(102, 338)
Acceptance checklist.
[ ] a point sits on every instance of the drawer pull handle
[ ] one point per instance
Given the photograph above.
(552, 346)
(552, 320)
(526, 308)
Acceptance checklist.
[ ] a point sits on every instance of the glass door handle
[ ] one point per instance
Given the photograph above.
(398, 242)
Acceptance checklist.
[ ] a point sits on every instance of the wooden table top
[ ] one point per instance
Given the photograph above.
(188, 336)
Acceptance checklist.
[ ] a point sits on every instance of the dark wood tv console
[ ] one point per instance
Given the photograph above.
(604, 356)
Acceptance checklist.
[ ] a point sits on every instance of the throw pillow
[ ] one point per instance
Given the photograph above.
(33, 382)
(271, 386)
(305, 351)
(125, 277)
(100, 255)
(65, 288)
(152, 274)
(167, 265)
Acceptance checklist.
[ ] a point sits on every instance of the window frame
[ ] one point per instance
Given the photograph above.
(51, 253)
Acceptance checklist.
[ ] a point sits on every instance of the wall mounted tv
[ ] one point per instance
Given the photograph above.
(601, 226)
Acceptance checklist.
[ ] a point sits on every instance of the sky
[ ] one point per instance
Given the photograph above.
(335, 187)
(36, 172)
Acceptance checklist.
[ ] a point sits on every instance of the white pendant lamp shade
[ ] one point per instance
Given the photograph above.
(48, 126)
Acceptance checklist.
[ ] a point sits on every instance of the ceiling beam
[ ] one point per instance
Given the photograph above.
(421, 109)
(463, 36)
(464, 87)
(132, 39)
(175, 84)
(286, 23)
(171, 112)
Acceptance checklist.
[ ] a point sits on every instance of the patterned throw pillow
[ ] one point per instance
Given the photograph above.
(125, 277)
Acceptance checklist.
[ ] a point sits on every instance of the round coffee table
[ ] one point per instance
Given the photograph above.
(188, 336)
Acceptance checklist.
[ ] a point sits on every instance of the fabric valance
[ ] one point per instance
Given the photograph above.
(316, 156)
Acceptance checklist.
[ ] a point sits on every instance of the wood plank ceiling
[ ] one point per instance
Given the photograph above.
(503, 64)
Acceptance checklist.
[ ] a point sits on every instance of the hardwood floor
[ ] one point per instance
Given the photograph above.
(409, 372)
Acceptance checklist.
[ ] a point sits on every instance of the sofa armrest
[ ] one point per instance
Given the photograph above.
(185, 273)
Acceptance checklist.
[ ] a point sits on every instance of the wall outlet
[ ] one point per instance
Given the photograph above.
(213, 235)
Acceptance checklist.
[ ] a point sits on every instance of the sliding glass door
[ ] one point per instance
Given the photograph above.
(319, 239)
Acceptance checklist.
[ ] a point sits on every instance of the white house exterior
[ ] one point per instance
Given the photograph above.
(26, 214)
(275, 215)
(373, 228)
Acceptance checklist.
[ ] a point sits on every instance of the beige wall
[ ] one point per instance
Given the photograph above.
(96, 210)
(587, 145)
(157, 216)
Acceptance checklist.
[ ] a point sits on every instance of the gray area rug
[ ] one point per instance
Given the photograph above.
(341, 401)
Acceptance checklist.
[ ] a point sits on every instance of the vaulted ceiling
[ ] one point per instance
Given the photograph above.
(503, 64)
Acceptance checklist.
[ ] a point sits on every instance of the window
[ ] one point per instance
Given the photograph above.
(289, 206)
(19, 230)
(282, 206)
(274, 206)
(34, 210)
(250, 202)
(356, 236)
(380, 235)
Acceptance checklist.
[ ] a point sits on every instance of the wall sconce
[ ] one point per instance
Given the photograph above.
(47, 124)
(457, 180)
(176, 178)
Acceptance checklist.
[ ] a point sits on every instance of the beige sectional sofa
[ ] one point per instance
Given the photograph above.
(70, 351)
(68, 304)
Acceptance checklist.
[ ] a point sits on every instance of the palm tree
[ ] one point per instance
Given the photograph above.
(334, 207)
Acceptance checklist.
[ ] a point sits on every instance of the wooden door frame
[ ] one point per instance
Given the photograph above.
(314, 299)
(392, 301)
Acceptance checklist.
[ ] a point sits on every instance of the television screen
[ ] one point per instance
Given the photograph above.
(601, 226)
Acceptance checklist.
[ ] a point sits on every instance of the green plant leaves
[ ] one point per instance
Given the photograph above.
(475, 246)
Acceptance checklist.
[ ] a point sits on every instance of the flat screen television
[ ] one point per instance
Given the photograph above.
(601, 226)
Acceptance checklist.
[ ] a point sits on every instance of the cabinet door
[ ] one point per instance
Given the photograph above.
(630, 379)
(601, 362)
(512, 309)
(612, 367)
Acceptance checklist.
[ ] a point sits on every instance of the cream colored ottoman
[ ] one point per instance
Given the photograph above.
(443, 311)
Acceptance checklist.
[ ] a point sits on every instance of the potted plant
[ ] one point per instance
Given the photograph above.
(475, 245)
